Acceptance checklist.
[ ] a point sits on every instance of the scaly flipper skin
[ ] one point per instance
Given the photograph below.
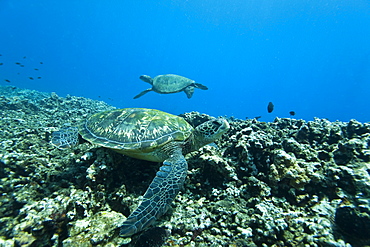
(65, 138)
(161, 192)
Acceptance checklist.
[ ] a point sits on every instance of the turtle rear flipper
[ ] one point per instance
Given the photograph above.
(65, 138)
(143, 92)
(200, 86)
(160, 194)
(189, 91)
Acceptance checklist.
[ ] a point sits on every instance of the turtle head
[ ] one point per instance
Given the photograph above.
(209, 131)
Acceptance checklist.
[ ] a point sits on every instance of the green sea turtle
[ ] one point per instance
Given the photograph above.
(170, 83)
(149, 135)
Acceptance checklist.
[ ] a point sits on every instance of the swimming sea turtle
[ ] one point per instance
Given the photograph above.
(149, 135)
(170, 84)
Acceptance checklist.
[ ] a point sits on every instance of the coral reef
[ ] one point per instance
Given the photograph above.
(285, 183)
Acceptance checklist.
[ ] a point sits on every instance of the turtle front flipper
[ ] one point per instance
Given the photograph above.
(158, 197)
(65, 138)
(143, 92)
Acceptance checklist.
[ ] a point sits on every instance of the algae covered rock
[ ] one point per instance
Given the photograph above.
(96, 230)
(285, 183)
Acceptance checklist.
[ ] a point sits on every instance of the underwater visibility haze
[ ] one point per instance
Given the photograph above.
(310, 57)
(278, 170)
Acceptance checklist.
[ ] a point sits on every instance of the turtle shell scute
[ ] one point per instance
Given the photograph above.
(135, 129)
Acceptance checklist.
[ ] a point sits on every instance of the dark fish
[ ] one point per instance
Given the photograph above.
(270, 107)
(292, 113)
(24, 57)
(39, 77)
(17, 63)
(36, 69)
(6, 80)
(41, 62)
(21, 65)
(258, 117)
(31, 78)
(0, 55)
(1, 63)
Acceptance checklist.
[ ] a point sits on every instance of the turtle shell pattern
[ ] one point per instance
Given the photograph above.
(171, 83)
(136, 130)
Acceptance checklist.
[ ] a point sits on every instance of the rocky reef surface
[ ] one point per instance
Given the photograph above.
(285, 183)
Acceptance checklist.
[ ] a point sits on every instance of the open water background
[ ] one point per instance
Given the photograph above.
(311, 57)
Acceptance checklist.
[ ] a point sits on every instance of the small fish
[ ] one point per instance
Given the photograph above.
(31, 78)
(1, 63)
(7, 80)
(270, 107)
(24, 57)
(0, 55)
(41, 62)
(39, 77)
(17, 63)
(21, 65)
(292, 113)
(258, 117)
(36, 69)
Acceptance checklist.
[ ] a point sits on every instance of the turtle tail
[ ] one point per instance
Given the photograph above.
(157, 199)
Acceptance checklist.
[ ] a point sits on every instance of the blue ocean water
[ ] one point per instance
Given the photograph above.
(308, 56)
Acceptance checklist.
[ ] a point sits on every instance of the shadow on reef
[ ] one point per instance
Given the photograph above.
(284, 183)
(354, 223)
